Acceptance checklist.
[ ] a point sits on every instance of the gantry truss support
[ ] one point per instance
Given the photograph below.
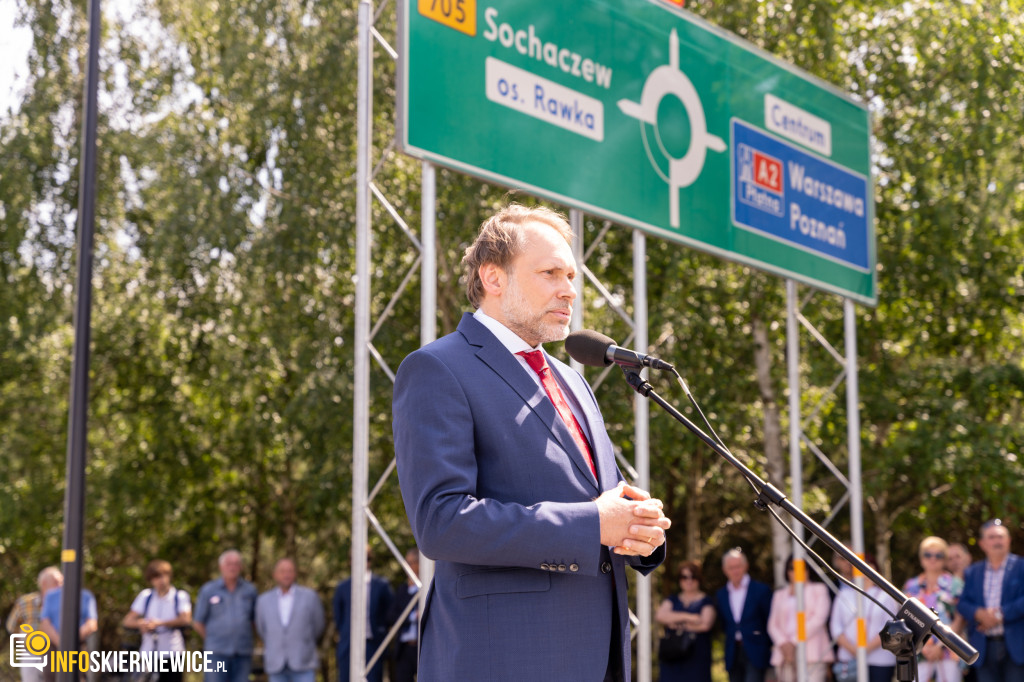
(425, 263)
(799, 439)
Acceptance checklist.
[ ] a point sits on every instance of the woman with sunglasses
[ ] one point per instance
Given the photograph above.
(939, 590)
(692, 611)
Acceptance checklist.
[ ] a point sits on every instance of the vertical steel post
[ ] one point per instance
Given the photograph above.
(796, 468)
(361, 380)
(853, 445)
(74, 495)
(643, 457)
(428, 267)
(428, 304)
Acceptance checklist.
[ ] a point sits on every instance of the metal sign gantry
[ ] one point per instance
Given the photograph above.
(362, 497)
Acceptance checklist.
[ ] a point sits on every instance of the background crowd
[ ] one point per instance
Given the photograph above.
(274, 635)
(983, 600)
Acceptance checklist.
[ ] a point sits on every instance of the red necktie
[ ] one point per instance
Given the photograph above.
(536, 360)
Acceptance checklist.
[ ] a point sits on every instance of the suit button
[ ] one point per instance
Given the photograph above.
(574, 567)
(545, 567)
(606, 567)
(561, 568)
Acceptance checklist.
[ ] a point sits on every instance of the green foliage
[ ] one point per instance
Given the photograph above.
(223, 314)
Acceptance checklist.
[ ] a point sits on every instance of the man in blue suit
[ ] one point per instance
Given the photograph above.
(509, 478)
(993, 604)
(743, 606)
(378, 603)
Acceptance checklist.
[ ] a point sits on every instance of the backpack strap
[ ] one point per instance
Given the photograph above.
(145, 607)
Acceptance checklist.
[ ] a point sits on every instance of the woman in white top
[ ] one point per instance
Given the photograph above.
(159, 613)
(843, 626)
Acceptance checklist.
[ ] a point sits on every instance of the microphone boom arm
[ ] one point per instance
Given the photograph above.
(921, 620)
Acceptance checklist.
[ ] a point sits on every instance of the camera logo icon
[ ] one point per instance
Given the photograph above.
(29, 649)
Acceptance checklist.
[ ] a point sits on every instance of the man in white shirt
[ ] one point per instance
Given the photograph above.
(744, 606)
(160, 613)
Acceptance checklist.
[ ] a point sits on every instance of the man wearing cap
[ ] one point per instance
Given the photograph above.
(993, 605)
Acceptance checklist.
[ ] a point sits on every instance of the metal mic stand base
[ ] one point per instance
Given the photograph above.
(900, 640)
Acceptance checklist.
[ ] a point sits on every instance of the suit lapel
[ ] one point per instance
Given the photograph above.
(748, 603)
(1010, 561)
(496, 356)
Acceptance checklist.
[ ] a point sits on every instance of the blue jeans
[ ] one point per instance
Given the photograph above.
(229, 668)
(286, 674)
(998, 666)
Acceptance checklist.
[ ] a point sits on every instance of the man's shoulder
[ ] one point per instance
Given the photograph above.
(754, 587)
(211, 586)
(977, 568)
(26, 599)
(446, 358)
(453, 344)
(307, 593)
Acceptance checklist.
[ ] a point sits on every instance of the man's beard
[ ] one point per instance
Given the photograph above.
(527, 324)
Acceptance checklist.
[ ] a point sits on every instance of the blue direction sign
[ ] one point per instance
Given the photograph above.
(788, 194)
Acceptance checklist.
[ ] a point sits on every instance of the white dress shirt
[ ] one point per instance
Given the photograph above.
(285, 602)
(515, 345)
(737, 597)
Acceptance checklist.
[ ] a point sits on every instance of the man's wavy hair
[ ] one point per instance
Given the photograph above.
(501, 239)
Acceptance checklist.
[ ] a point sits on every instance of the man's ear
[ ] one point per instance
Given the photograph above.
(494, 279)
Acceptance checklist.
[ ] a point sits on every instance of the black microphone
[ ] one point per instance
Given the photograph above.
(597, 350)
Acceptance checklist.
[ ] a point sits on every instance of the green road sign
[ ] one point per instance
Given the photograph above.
(639, 112)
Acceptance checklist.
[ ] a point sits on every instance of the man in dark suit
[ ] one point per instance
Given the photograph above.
(744, 605)
(407, 640)
(509, 478)
(378, 602)
(993, 604)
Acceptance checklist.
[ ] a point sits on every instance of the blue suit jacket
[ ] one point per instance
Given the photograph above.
(378, 607)
(500, 496)
(973, 598)
(753, 625)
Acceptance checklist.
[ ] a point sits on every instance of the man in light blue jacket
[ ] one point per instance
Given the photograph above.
(290, 621)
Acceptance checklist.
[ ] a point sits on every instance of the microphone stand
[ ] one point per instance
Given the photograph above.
(906, 634)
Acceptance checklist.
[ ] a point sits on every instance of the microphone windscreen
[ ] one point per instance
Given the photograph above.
(588, 347)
